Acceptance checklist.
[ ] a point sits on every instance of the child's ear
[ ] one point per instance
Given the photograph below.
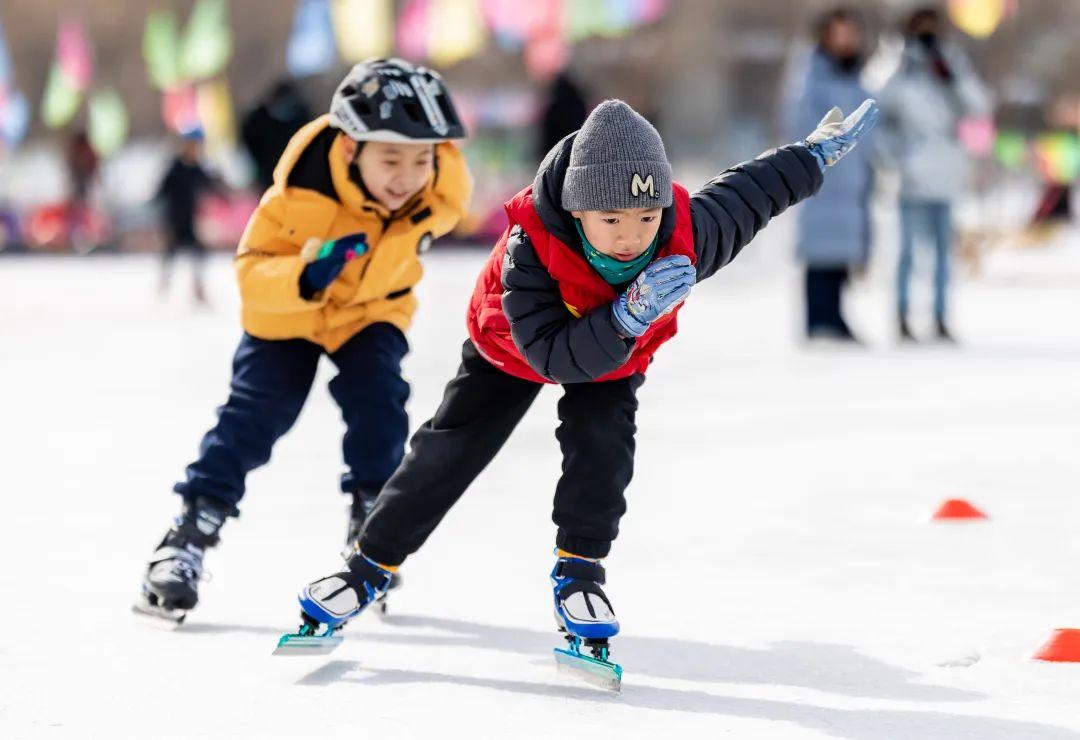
(348, 147)
(577, 214)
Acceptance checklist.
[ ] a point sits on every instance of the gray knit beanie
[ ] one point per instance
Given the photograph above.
(617, 161)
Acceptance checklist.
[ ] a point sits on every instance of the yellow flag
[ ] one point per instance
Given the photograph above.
(363, 28)
(216, 113)
(977, 18)
(456, 31)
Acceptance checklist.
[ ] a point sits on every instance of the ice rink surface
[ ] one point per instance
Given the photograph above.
(776, 576)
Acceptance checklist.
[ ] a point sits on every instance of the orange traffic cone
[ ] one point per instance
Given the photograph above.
(957, 508)
(1062, 647)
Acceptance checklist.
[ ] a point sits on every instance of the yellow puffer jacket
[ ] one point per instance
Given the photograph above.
(313, 202)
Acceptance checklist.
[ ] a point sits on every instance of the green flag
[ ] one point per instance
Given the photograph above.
(1010, 148)
(61, 99)
(161, 49)
(108, 122)
(207, 42)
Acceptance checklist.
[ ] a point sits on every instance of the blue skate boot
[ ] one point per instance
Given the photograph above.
(584, 613)
(332, 601)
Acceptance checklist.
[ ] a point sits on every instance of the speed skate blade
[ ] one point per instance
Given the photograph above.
(293, 644)
(596, 672)
(156, 616)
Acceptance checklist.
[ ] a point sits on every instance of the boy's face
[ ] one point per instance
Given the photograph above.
(393, 172)
(624, 234)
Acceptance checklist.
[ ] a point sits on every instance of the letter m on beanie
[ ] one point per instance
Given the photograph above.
(639, 186)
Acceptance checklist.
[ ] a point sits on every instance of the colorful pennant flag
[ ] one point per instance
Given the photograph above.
(1058, 157)
(73, 54)
(14, 110)
(311, 49)
(511, 22)
(61, 99)
(363, 28)
(161, 49)
(207, 42)
(14, 117)
(547, 50)
(5, 61)
(215, 111)
(977, 18)
(179, 108)
(412, 29)
(977, 135)
(455, 31)
(107, 122)
(1010, 149)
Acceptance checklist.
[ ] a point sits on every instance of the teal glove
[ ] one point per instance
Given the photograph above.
(835, 136)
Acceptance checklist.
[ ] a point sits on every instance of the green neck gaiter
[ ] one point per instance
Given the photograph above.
(614, 272)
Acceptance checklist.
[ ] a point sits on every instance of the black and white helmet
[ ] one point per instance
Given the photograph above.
(393, 100)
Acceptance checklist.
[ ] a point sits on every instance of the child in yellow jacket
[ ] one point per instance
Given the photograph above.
(327, 265)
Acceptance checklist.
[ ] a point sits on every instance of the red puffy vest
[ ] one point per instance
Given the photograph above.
(581, 287)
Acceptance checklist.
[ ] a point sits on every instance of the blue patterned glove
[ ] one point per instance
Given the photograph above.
(326, 261)
(835, 136)
(660, 287)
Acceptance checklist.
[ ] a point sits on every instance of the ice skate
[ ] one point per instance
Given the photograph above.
(330, 602)
(170, 587)
(584, 613)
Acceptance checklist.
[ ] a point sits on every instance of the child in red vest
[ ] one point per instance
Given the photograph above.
(581, 290)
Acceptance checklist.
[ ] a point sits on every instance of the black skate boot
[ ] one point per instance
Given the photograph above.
(170, 588)
(942, 333)
(905, 331)
(362, 504)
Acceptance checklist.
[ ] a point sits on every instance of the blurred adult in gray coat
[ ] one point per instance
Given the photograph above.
(921, 104)
(833, 228)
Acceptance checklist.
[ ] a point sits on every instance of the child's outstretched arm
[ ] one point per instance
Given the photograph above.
(555, 343)
(730, 210)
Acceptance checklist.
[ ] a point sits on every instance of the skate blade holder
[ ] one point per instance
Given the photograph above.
(159, 618)
(599, 673)
(294, 644)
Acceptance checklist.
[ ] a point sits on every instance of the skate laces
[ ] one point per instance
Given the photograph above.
(183, 561)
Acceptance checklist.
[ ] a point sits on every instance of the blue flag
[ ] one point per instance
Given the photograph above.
(312, 48)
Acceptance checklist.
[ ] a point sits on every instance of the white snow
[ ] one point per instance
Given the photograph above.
(775, 576)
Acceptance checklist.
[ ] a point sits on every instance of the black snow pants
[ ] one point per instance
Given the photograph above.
(479, 410)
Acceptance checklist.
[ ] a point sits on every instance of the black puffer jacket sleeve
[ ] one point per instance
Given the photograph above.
(558, 346)
(730, 210)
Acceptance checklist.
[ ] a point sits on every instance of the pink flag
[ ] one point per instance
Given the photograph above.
(413, 30)
(73, 54)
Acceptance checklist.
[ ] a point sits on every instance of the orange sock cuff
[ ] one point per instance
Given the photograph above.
(559, 552)
(389, 568)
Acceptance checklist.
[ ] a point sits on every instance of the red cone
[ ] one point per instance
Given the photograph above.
(1062, 647)
(957, 508)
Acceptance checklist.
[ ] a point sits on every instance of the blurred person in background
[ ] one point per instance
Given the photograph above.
(326, 266)
(269, 126)
(1054, 208)
(82, 168)
(834, 227)
(184, 183)
(921, 104)
(564, 110)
